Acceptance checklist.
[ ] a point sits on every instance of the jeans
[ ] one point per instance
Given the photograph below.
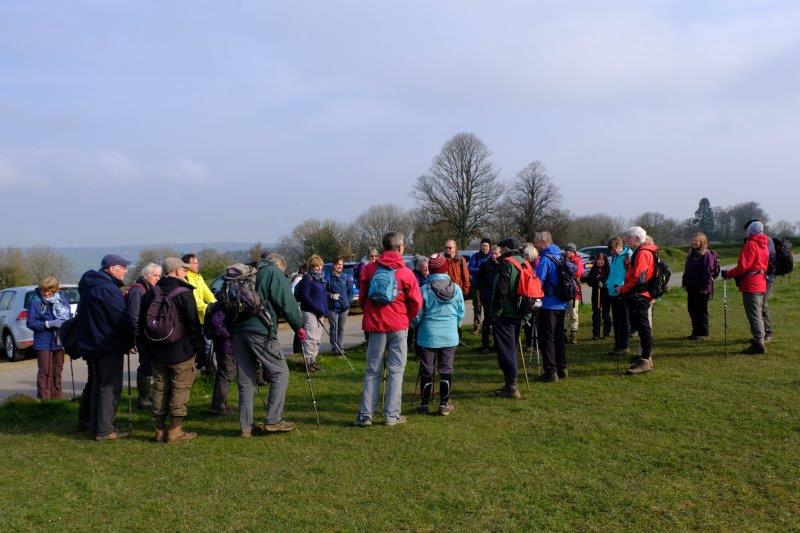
(48, 376)
(506, 337)
(601, 316)
(641, 317)
(697, 304)
(106, 390)
(336, 320)
(754, 309)
(551, 328)
(394, 344)
(765, 312)
(249, 347)
(619, 311)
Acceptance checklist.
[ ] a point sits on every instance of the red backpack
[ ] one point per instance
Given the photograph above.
(529, 287)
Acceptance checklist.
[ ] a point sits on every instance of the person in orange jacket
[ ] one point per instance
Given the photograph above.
(638, 298)
(458, 270)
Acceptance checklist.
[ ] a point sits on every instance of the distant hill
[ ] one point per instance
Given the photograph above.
(87, 258)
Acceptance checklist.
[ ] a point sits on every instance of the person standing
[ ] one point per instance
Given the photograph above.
(551, 315)
(172, 360)
(474, 265)
(311, 293)
(437, 333)
(103, 336)
(750, 274)
(618, 263)
(601, 307)
(572, 316)
(387, 324)
(47, 310)
(638, 298)
(339, 288)
(458, 271)
(487, 274)
(698, 282)
(218, 325)
(150, 275)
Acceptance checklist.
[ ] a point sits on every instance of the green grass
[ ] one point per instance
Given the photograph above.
(702, 442)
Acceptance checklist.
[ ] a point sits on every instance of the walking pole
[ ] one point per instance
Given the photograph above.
(130, 402)
(310, 387)
(524, 368)
(725, 311)
(338, 347)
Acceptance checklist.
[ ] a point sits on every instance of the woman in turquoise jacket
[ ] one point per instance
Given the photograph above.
(437, 333)
(619, 258)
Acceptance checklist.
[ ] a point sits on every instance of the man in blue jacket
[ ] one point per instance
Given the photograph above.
(551, 315)
(104, 334)
(474, 265)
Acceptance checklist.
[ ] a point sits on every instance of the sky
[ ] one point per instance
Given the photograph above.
(147, 122)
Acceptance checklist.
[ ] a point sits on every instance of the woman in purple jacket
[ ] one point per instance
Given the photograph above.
(702, 266)
(312, 295)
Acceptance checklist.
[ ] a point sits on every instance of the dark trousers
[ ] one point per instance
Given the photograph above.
(226, 371)
(84, 408)
(486, 325)
(621, 327)
(106, 391)
(48, 376)
(506, 336)
(144, 369)
(698, 311)
(551, 339)
(476, 307)
(638, 308)
(601, 315)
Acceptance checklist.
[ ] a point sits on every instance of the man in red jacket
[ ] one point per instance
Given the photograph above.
(750, 274)
(638, 298)
(387, 325)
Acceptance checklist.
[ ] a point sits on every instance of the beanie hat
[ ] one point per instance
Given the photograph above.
(437, 264)
(755, 227)
(509, 243)
(487, 241)
(570, 247)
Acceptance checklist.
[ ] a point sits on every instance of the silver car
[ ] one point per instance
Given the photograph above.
(17, 338)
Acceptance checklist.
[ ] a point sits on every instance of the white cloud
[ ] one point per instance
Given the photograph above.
(188, 171)
(117, 167)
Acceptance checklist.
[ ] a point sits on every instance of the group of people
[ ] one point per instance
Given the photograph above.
(168, 312)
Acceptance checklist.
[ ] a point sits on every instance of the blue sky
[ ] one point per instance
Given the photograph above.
(143, 122)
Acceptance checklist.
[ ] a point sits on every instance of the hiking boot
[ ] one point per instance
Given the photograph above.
(143, 402)
(423, 410)
(281, 427)
(572, 338)
(767, 339)
(755, 348)
(363, 421)
(476, 328)
(114, 435)
(563, 374)
(160, 435)
(316, 366)
(177, 434)
(546, 377)
(620, 351)
(397, 421)
(446, 409)
(595, 338)
(640, 366)
(509, 392)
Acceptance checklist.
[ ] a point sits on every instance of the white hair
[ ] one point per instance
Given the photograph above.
(638, 232)
(530, 252)
(151, 268)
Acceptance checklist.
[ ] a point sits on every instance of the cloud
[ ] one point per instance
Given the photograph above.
(117, 167)
(189, 171)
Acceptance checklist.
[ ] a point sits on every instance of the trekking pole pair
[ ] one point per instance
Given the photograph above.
(534, 343)
(310, 386)
(522, 358)
(336, 346)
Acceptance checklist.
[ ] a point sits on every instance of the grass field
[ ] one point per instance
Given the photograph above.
(703, 442)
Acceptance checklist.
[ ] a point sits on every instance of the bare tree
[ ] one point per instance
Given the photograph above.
(664, 230)
(588, 230)
(369, 227)
(254, 253)
(782, 229)
(461, 189)
(148, 255)
(12, 269)
(429, 234)
(534, 201)
(42, 261)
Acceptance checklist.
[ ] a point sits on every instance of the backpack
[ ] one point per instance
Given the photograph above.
(163, 323)
(68, 333)
(383, 286)
(782, 261)
(529, 288)
(566, 288)
(238, 297)
(716, 268)
(657, 285)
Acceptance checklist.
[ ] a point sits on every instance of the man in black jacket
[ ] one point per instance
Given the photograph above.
(172, 362)
(151, 273)
(103, 336)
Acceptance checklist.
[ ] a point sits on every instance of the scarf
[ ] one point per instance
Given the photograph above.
(317, 276)
(60, 310)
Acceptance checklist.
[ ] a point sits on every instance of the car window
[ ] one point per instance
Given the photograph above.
(6, 297)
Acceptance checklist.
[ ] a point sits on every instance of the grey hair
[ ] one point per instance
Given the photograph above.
(151, 268)
(277, 260)
(393, 241)
(530, 252)
(419, 262)
(543, 236)
(636, 231)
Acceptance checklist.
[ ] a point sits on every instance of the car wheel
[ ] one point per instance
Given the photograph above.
(10, 348)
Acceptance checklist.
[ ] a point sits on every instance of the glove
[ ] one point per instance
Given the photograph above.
(301, 334)
(334, 296)
(53, 324)
(600, 284)
(723, 273)
(537, 303)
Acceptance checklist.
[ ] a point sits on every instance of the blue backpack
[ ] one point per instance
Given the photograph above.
(383, 286)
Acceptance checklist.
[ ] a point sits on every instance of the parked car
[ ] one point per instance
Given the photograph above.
(17, 338)
(592, 251)
(349, 270)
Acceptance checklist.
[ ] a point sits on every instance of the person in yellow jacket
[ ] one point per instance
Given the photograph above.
(202, 294)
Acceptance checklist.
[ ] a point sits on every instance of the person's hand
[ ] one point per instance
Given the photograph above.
(537, 303)
(335, 296)
(53, 324)
(723, 273)
(134, 350)
(301, 334)
(600, 284)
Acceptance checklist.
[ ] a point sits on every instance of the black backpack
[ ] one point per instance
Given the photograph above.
(68, 333)
(566, 289)
(163, 322)
(657, 285)
(782, 261)
(238, 297)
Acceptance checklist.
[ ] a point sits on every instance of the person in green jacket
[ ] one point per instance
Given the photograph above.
(257, 339)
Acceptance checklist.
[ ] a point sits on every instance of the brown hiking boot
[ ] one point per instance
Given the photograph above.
(114, 435)
(572, 338)
(281, 427)
(640, 366)
(160, 435)
(446, 409)
(509, 392)
(177, 434)
(755, 348)
(546, 378)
